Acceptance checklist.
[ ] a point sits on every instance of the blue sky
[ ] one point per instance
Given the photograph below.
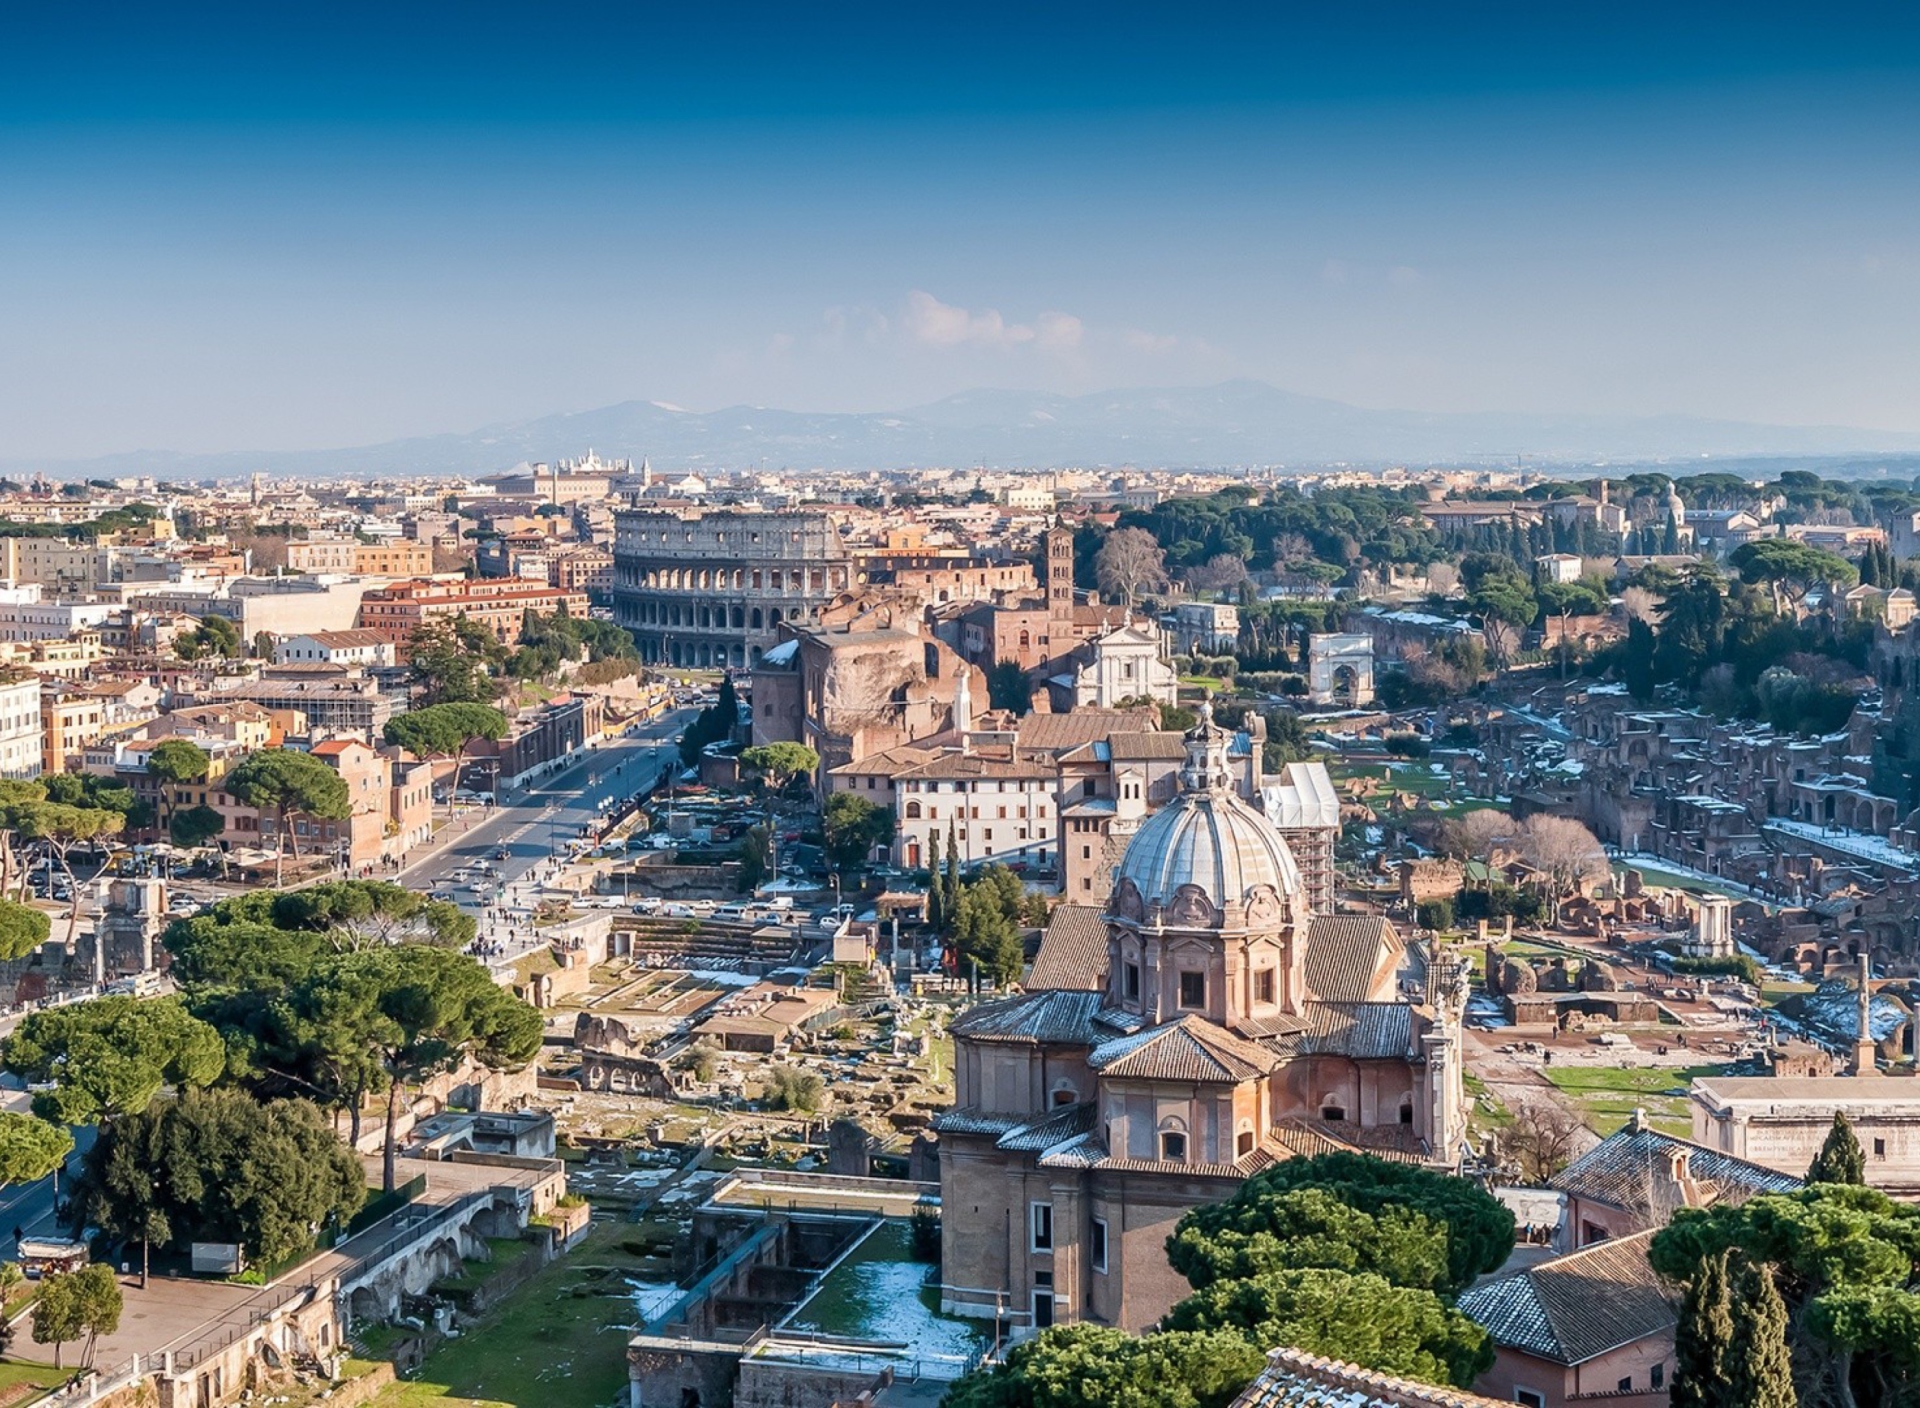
(296, 226)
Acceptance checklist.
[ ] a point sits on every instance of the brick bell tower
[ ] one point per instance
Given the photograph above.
(1060, 573)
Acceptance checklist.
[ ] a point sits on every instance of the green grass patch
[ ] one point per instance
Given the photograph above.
(1607, 1096)
(561, 1338)
(474, 1274)
(15, 1373)
(1654, 875)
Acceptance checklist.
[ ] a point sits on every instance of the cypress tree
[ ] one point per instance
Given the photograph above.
(1759, 1364)
(950, 901)
(936, 911)
(1700, 1340)
(1840, 1160)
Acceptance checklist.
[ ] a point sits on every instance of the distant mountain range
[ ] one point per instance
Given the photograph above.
(1237, 423)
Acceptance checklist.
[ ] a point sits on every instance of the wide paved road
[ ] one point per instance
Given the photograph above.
(535, 825)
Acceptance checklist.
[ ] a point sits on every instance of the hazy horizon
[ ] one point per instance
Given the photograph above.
(310, 228)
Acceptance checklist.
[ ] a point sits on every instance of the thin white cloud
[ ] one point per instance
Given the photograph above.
(931, 323)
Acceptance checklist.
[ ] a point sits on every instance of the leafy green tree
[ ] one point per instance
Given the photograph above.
(791, 1088)
(985, 938)
(1097, 1366)
(56, 1315)
(195, 827)
(220, 1166)
(173, 764)
(60, 829)
(1790, 569)
(1008, 687)
(1760, 1365)
(1702, 1338)
(1363, 1319)
(777, 764)
(31, 1148)
(424, 1011)
(1478, 1229)
(1311, 1227)
(22, 929)
(109, 1056)
(1844, 1261)
(854, 826)
(270, 939)
(289, 784)
(446, 731)
(215, 637)
(1841, 1159)
(446, 666)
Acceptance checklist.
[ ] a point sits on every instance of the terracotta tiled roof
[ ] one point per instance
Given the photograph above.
(891, 763)
(1621, 1169)
(1295, 1379)
(1579, 1306)
(963, 765)
(1347, 953)
(1068, 1122)
(1191, 1049)
(1364, 1031)
(1054, 733)
(1073, 955)
(967, 1119)
(1068, 1018)
(1306, 1138)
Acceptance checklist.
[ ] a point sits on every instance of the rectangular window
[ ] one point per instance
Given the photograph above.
(1042, 1220)
(1263, 985)
(1879, 1148)
(1173, 1147)
(1531, 1398)
(1130, 980)
(1097, 1245)
(1657, 1376)
(1193, 989)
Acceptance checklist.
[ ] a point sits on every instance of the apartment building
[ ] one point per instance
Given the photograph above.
(21, 737)
(395, 612)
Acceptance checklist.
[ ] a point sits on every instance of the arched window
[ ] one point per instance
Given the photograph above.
(755, 618)
(913, 811)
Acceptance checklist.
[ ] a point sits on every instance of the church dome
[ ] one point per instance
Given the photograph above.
(1208, 839)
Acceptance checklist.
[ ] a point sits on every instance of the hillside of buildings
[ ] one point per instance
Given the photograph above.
(813, 870)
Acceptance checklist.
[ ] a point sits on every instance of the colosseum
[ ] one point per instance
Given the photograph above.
(710, 588)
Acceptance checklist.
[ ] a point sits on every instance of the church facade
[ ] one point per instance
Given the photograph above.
(1233, 1028)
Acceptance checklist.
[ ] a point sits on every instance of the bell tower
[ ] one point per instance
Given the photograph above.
(1060, 573)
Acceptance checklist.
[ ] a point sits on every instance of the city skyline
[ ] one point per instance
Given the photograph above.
(231, 231)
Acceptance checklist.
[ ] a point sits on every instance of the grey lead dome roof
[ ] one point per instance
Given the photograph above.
(1208, 837)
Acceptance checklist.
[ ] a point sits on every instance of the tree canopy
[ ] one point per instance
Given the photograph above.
(779, 763)
(853, 827)
(109, 1056)
(219, 1166)
(419, 1011)
(1475, 1229)
(1096, 1366)
(1846, 1262)
(445, 730)
(31, 1148)
(287, 783)
(1363, 1319)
